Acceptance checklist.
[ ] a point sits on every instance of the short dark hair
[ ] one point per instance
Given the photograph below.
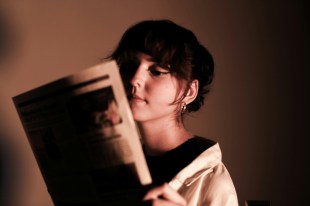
(169, 44)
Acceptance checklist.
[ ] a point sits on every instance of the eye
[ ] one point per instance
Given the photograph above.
(156, 71)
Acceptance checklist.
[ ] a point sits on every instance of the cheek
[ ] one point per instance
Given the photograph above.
(163, 94)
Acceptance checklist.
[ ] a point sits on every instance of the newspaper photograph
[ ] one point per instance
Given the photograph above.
(84, 138)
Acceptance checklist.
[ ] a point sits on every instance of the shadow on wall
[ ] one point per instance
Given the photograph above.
(6, 38)
(7, 168)
(7, 160)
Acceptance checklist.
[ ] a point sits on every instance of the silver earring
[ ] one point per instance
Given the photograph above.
(183, 109)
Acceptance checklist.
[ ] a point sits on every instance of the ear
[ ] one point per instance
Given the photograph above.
(192, 92)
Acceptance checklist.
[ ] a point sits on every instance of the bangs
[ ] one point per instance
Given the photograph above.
(160, 41)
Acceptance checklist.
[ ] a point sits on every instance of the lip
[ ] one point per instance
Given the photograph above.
(136, 98)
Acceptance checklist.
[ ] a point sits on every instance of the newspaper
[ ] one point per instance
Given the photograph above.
(84, 138)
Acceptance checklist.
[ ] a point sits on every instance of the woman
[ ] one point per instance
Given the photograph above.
(167, 72)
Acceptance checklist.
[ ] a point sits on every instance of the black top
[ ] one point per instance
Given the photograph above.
(164, 167)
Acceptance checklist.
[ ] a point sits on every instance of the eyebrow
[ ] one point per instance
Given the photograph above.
(146, 56)
(152, 59)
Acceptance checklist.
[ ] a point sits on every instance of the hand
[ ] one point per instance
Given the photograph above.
(164, 195)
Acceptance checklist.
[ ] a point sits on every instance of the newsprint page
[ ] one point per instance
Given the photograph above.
(84, 138)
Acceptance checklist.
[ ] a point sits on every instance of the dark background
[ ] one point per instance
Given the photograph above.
(257, 109)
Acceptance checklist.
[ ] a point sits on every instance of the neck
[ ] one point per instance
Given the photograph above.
(159, 138)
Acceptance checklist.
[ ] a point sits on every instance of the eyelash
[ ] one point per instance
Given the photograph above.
(154, 72)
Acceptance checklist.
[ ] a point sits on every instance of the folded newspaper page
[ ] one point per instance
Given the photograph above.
(84, 138)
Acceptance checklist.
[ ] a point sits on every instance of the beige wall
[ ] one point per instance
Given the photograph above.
(256, 110)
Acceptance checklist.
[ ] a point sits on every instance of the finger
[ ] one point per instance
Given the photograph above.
(156, 192)
(170, 194)
(166, 192)
(162, 202)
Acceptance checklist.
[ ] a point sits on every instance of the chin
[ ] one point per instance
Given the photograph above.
(140, 118)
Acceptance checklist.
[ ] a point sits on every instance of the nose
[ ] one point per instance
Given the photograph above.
(138, 78)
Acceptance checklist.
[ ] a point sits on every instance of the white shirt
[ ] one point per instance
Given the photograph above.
(206, 181)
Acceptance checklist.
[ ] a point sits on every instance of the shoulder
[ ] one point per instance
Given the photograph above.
(217, 185)
(219, 180)
(219, 188)
(208, 178)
